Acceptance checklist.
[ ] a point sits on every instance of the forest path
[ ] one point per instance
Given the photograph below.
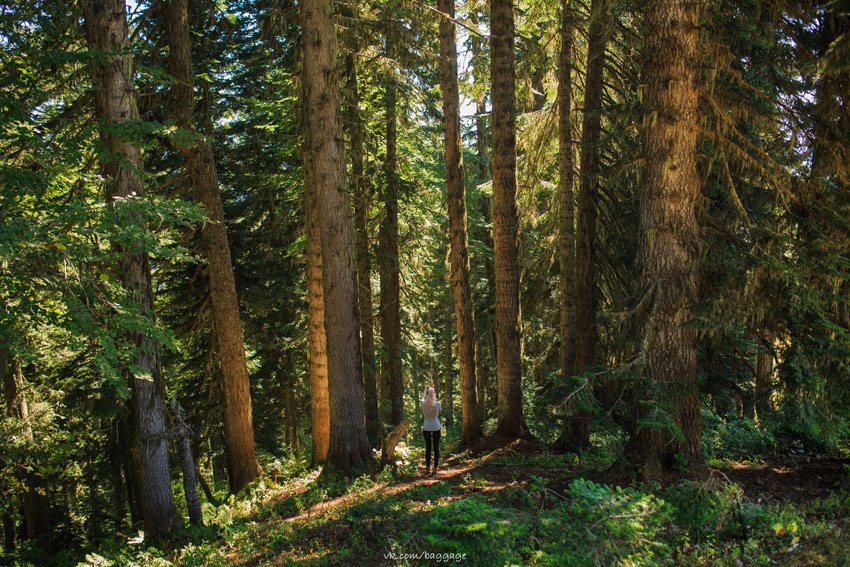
(456, 470)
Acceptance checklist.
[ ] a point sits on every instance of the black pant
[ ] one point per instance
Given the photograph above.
(431, 436)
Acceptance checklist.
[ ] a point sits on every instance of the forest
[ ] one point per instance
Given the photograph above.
(239, 239)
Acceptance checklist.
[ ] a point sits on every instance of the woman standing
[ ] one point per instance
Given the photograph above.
(431, 408)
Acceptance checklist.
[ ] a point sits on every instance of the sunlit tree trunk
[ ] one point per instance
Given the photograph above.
(505, 221)
(238, 423)
(349, 446)
(458, 240)
(115, 107)
(669, 188)
(319, 404)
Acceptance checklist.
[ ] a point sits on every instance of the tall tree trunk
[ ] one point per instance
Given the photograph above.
(566, 199)
(349, 446)
(458, 239)
(238, 423)
(319, 404)
(484, 205)
(508, 343)
(586, 336)
(33, 495)
(359, 186)
(115, 107)
(669, 189)
(388, 237)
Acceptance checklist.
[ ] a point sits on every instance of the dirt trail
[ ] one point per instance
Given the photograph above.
(799, 478)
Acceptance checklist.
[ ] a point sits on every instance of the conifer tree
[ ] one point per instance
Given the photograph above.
(669, 263)
(459, 248)
(238, 422)
(325, 156)
(508, 330)
(115, 109)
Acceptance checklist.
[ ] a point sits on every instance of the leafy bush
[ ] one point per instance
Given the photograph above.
(739, 439)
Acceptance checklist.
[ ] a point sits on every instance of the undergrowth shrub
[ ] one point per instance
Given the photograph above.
(593, 524)
(486, 534)
(738, 439)
(707, 509)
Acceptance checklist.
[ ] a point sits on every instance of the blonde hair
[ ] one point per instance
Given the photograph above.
(430, 397)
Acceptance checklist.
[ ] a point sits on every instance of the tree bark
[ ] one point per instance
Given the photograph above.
(458, 238)
(190, 484)
(359, 186)
(484, 205)
(115, 107)
(242, 463)
(388, 258)
(566, 198)
(586, 335)
(763, 386)
(505, 221)
(349, 446)
(669, 262)
(566, 203)
(319, 404)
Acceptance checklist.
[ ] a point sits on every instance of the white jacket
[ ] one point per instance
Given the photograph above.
(432, 419)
